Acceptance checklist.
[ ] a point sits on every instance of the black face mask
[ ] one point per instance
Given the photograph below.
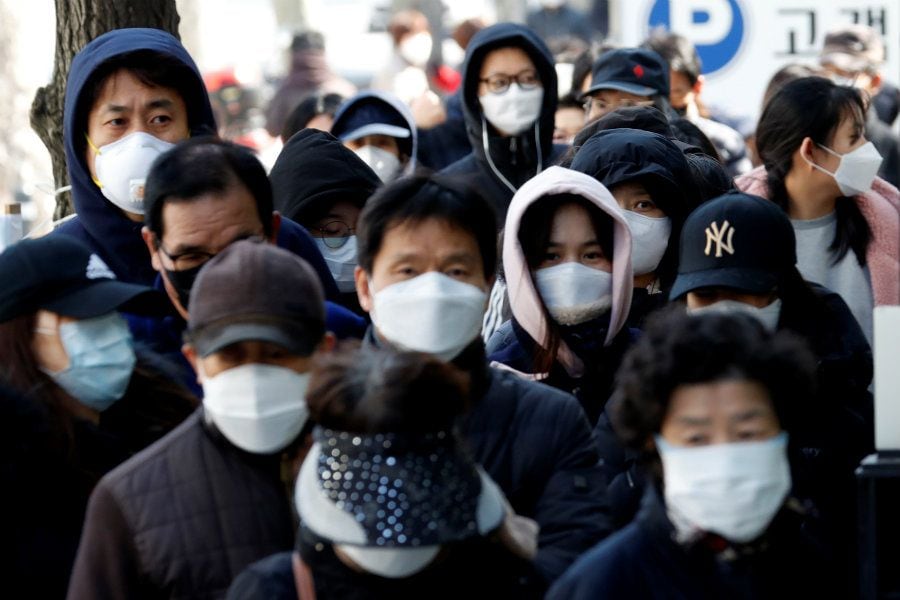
(183, 281)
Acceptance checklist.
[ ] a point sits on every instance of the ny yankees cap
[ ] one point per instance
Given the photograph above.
(60, 274)
(737, 241)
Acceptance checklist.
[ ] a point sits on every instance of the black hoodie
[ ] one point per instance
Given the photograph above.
(517, 157)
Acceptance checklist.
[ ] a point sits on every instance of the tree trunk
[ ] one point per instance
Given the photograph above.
(77, 23)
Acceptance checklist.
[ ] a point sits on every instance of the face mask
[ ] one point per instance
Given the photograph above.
(416, 49)
(574, 293)
(768, 316)
(649, 240)
(384, 163)
(513, 111)
(101, 360)
(341, 262)
(733, 490)
(183, 281)
(857, 169)
(122, 168)
(430, 313)
(258, 408)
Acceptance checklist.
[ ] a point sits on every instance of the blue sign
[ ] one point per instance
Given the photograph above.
(716, 27)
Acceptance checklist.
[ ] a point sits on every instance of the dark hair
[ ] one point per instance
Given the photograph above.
(153, 69)
(200, 166)
(677, 349)
(645, 118)
(534, 236)
(307, 40)
(687, 132)
(710, 177)
(812, 107)
(784, 76)
(372, 390)
(311, 106)
(678, 51)
(570, 100)
(423, 196)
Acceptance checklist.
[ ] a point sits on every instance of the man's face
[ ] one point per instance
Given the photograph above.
(603, 102)
(681, 92)
(411, 249)
(125, 105)
(196, 230)
(867, 82)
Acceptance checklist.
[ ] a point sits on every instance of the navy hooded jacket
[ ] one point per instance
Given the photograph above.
(102, 226)
(518, 158)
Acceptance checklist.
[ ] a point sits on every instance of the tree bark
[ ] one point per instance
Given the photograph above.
(77, 23)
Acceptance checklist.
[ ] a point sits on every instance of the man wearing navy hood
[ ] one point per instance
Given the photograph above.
(131, 95)
(509, 102)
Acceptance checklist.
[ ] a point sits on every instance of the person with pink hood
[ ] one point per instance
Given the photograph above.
(567, 265)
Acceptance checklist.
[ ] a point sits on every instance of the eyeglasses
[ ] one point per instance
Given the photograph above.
(335, 233)
(605, 106)
(194, 258)
(499, 83)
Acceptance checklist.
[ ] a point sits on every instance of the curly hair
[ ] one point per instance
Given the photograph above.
(678, 349)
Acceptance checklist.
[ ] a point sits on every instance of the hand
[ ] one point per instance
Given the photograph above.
(519, 534)
(427, 110)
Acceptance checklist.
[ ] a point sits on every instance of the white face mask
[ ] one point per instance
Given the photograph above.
(767, 315)
(513, 111)
(857, 169)
(430, 313)
(341, 262)
(122, 168)
(384, 163)
(258, 408)
(733, 490)
(416, 49)
(573, 292)
(649, 240)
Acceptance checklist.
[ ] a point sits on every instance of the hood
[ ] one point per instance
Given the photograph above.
(119, 237)
(499, 36)
(524, 300)
(394, 103)
(313, 171)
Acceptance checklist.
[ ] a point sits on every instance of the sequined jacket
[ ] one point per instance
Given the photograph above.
(182, 519)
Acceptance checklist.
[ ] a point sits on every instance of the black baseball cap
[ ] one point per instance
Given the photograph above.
(737, 241)
(59, 273)
(634, 70)
(253, 290)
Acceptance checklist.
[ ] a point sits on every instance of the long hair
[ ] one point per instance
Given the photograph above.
(812, 107)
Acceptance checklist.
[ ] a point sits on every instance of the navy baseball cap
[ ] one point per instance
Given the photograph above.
(368, 116)
(634, 70)
(60, 273)
(737, 241)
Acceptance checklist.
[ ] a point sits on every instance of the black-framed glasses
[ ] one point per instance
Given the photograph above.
(499, 83)
(194, 258)
(335, 233)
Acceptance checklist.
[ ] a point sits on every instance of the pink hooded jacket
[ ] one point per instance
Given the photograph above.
(524, 301)
(881, 209)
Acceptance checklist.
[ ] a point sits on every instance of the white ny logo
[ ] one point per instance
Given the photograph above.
(714, 234)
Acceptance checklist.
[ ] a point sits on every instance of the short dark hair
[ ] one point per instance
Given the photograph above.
(199, 166)
(687, 132)
(678, 349)
(310, 106)
(678, 51)
(710, 177)
(154, 69)
(423, 196)
(380, 390)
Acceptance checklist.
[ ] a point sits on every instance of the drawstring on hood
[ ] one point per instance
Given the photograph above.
(524, 300)
(487, 153)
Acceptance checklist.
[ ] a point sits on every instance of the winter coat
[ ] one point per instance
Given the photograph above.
(99, 223)
(644, 561)
(517, 158)
(880, 207)
(444, 144)
(535, 443)
(514, 344)
(888, 144)
(182, 519)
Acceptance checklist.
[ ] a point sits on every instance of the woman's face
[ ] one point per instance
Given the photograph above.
(633, 196)
(849, 135)
(573, 239)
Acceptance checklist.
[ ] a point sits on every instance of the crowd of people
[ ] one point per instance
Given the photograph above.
(508, 343)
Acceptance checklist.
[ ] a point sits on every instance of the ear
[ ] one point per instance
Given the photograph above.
(191, 355)
(150, 242)
(875, 86)
(806, 153)
(363, 293)
(276, 226)
(698, 85)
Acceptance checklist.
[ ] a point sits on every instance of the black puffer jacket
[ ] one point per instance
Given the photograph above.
(517, 158)
(182, 519)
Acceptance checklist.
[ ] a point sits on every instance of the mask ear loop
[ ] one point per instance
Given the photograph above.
(819, 167)
(98, 153)
(537, 144)
(487, 153)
